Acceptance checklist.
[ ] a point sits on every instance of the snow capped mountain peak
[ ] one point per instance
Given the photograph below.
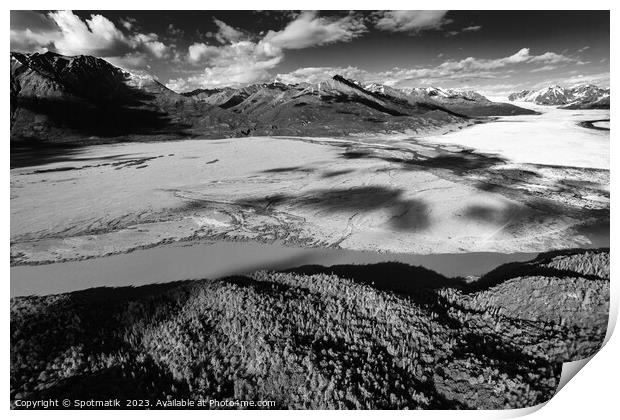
(579, 94)
(376, 88)
(431, 92)
(437, 91)
(582, 87)
(139, 80)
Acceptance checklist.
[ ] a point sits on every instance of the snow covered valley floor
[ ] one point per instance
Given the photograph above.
(517, 185)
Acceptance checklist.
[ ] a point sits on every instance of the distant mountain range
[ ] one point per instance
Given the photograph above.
(58, 98)
(396, 102)
(585, 96)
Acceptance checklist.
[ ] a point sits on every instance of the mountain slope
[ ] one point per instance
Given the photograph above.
(338, 91)
(59, 98)
(336, 106)
(600, 103)
(56, 98)
(577, 97)
(470, 103)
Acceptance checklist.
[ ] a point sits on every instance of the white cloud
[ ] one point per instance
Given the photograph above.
(68, 34)
(157, 48)
(411, 20)
(241, 61)
(463, 71)
(543, 68)
(240, 72)
(470, 68)
(309, 30)
(27, 40)
(221, 56)
(522, 56)
(226, 33)
(128, 23)
(243, 70)
(473, 28)
(551, 57)
(131, 61)
(95, 36)
(318, 74)
(150, 43)
(198, 52)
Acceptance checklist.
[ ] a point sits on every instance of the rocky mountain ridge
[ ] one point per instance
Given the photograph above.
(57, 98)
(466, 103)
(584, 96)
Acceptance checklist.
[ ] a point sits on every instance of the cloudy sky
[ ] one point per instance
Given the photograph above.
(495, 52)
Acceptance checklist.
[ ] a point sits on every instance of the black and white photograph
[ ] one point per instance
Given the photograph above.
(306, 210)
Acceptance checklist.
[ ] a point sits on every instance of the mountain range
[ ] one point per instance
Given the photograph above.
(57, 98)
(584, 96)
(395, 101)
